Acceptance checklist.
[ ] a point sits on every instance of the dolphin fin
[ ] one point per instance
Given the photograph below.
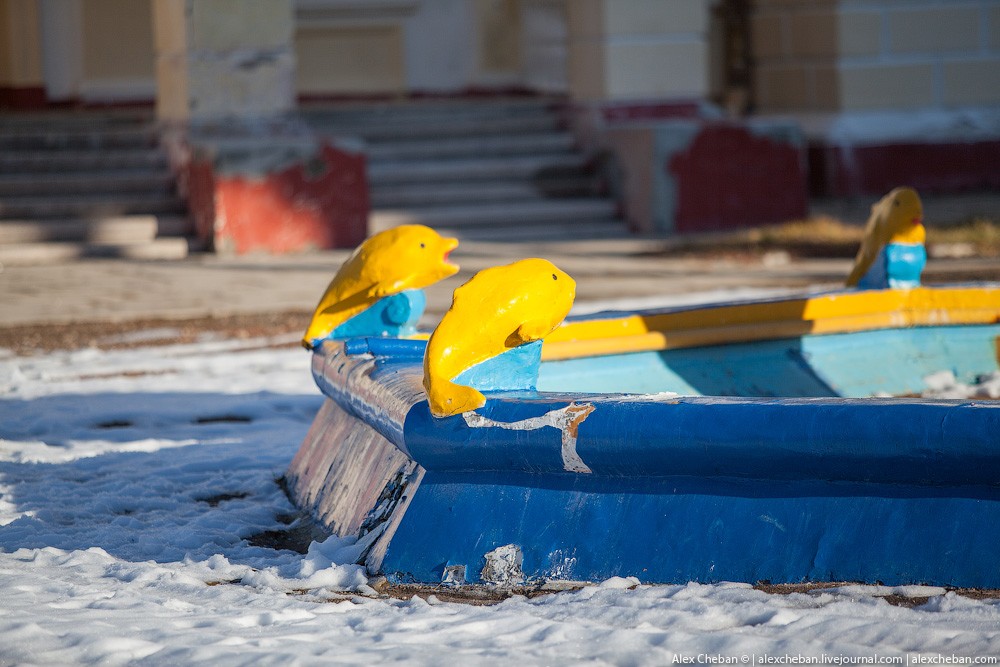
(862, 262)
(382, 290)
(447, 399)
(332, 313)
(529, 332)
(874, 239)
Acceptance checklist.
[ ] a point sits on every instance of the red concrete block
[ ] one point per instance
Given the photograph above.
(23, 98)
(732, 176)
(846, 170)
(320, 202)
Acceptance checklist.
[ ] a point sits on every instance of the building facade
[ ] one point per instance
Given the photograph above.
(862, 83)
(803, 55)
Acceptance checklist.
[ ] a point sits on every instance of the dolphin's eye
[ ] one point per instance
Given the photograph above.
(554, 277)
(422, 245)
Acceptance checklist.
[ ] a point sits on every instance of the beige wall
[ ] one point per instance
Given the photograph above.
(350, 48)
(543, 45)
(498, 24)
(400, 46)
(20, 44)
(117, 39)
(638, 49)
(6, 62)
(358, 59)
(827, 55)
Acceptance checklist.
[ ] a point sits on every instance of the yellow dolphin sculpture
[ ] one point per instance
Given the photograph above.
(896, 218)
(394, 260)
(497, 309)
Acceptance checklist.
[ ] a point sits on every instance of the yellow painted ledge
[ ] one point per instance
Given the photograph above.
(826, 314)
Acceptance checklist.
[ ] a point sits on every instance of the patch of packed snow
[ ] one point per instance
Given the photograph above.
(944, 384)
(130, 482)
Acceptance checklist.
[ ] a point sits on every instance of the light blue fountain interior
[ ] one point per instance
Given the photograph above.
(862, 364)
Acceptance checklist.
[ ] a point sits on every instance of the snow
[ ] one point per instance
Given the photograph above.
(131, 480)
(944, 384)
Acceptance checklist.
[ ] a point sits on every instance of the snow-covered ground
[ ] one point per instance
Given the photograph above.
(130, 480)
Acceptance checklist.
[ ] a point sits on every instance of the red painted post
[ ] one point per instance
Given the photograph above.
(316, 202)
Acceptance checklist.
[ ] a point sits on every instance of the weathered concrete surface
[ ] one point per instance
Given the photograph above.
(207, 285)
(224, 58)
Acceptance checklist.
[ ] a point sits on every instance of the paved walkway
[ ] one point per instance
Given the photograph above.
(207, 285)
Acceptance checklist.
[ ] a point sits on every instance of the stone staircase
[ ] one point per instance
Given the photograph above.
(97, 184)
(490, 169)
(85, 184)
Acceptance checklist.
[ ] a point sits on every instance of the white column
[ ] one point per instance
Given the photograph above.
(220, 59)
(62, 48)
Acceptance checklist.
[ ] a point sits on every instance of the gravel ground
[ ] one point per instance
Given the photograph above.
(37, 339)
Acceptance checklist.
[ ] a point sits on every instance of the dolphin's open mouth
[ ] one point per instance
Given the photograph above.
(450, 244)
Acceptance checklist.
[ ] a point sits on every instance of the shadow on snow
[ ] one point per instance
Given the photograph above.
(149, 476)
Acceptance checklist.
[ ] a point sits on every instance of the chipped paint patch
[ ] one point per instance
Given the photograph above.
(503, 566)
(771, 520)
(453, 575)
(658, 397)
(567, 420)
(562, 564)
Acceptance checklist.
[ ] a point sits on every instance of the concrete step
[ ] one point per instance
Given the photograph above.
(430, 128)
(88, 182)
(24, 254)
(553, 232)
(63, 119)
(76, 139)
(93, 207)
(118, 230)
(497, 215)
(422, 110)
(82, 160)
(510, 167)
(467, 147)
(434, 194)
